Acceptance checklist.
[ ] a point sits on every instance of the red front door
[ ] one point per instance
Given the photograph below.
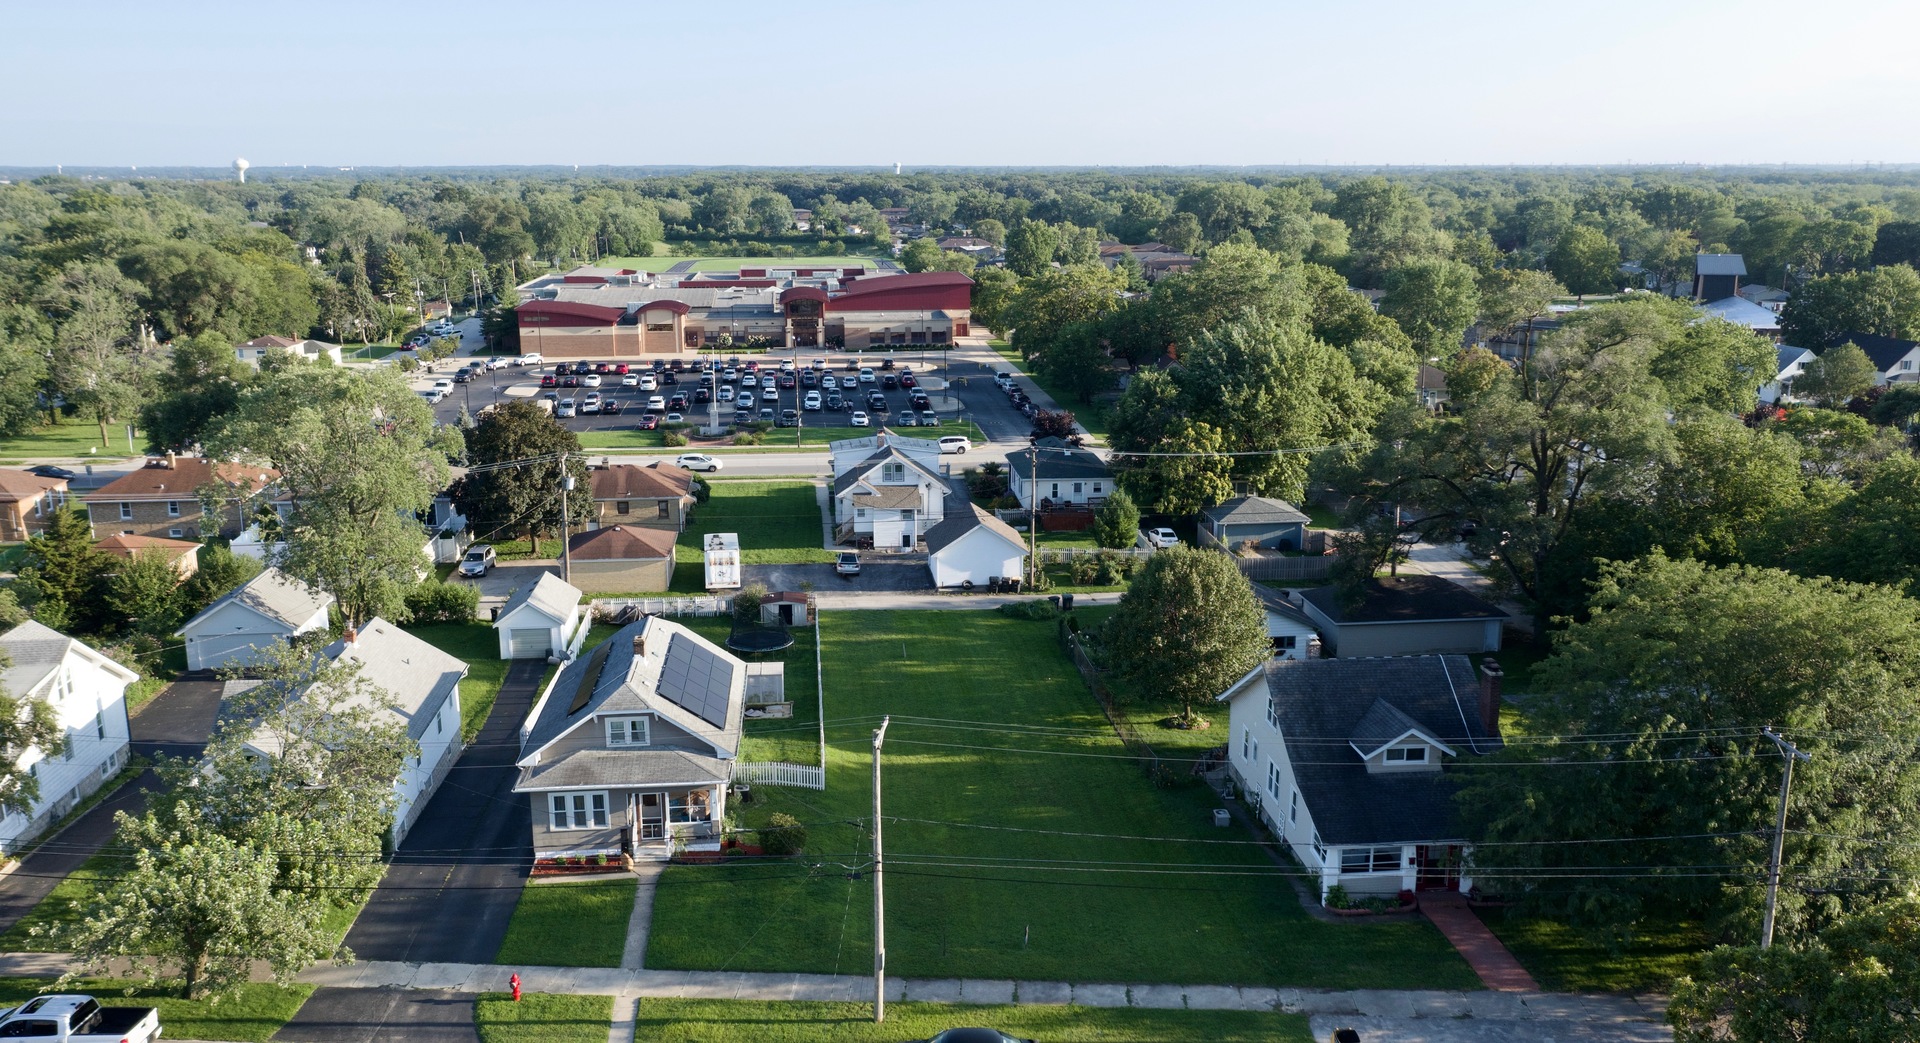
(1439, 867)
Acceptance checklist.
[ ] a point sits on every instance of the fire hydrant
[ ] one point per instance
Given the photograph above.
(515, 982)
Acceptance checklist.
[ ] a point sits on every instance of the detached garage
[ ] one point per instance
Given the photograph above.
(538, 619)
(972, 546)
(270, 607)
(622, 559)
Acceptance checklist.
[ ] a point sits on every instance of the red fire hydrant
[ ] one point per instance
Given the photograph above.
(515, 982)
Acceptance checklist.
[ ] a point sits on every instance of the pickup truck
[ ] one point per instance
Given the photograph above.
(79, 1019)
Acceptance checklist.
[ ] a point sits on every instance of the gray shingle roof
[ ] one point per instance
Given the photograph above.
(1058, 461)
(1403, 599)
(886, 454)
(1886, 352)
(1790, 355)
(964, 519)
(625, 768)
(273, 594)
(1275, 601)
(36, 651)
(550, 595)
(1719, 264)
(418, 676)
(1322, 703)
(1381, 724)
(1254, 510)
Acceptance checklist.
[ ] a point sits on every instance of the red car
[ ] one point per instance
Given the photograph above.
(602, 368)
(620, 368)
(548, 380)
(569, 381)
(907, 381)
(650, 421)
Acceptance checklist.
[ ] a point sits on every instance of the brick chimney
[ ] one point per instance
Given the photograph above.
(173, 460)
(351, 636)
(1490, 677)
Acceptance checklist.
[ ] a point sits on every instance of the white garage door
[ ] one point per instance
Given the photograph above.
(529, 644)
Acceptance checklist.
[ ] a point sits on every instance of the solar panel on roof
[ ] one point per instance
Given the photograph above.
(590, 679)
(695, 678)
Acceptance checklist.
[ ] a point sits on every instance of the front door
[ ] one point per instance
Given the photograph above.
(653, 820)
(1438, 867)
(906, 534)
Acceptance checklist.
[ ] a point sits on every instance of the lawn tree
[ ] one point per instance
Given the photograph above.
(522, 499)
(144, 592)
(23, 382)
(60, 575)
(1857, 981)
(1057, 423)
(1076, 362)
(1837, 376)
(220, 570)
(921, 255)
(1512, 298)
(1434, 300)
(1653, 735)
(1030, 248)
(1116, 523)
(993, 290)
(1182, 232)
(1190, 475)
(361, 458)
(1187, 628)
(1881, 301)
(1585, 260)
(1710, 365)
(1056, 299)
(101, 366)
(200, 384)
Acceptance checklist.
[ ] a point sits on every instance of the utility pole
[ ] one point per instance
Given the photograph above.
(1033, 512)
(566, 560)
(1789, 753)
(879, 894)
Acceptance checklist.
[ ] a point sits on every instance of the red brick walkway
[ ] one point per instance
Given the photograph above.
(1484, 953)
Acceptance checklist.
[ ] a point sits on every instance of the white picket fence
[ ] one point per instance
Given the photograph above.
(780, 773)
(705, 605)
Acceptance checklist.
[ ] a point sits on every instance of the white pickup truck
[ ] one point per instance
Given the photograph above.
(79, 1019)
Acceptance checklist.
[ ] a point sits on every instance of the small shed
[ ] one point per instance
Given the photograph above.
(270, 607)
(721, 551)
(538, 619)
(1266, 523)
(787, 608)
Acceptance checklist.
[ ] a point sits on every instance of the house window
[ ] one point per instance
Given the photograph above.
(691, 806)
(1906, 364)
(173, 508)
(1078, 487)
(893, 473)
(1273, 780)
(1246, 744)
(1286, 643)
(175, 533)
(577, 810)
(1273, 712)
(100, 726)
(663, 508)
(620, 507)
(1370, 860)
(859, 512)
(126, 511)
(1407, 755)
(627, 731)
(1293, 809)
(1255, 755)
(1096, 488)
(1056, 491)
(1319, 849)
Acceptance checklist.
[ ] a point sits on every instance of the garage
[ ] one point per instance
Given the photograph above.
(539, 618)
(534, 643)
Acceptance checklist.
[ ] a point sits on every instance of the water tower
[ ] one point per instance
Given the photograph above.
(240, 167)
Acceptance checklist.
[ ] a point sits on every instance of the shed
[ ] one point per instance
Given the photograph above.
(538, 619)
(622, 559)
(971, 547)
(268, 608)
(787, 608)
(1266, 523)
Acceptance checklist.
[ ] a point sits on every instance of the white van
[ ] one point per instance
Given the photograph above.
(956, 444)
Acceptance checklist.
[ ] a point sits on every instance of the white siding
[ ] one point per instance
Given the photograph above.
(975, 557)
(91, 704)
(232, 633)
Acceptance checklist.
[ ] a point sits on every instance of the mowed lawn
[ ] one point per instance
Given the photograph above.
(1021, 842)
(77, 438)
(723, 1021)
(793, 739)
(727, 264)
(542, 1018)
(479, 645)
(581, 924)
(778, 523)
(250, 1013)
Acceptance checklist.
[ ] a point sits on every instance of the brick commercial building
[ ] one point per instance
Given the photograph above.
(621, 313)
(163, 498)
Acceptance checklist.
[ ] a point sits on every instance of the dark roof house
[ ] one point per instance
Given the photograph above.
(1404, 615)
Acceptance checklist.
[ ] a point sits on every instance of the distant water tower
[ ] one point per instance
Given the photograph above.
(896, 167)
(240, 167)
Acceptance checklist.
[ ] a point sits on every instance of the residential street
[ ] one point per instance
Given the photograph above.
(383, 1016)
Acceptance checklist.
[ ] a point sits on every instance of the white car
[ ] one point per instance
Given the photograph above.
(698, 462)
(770, 395)
(629, 380)
(531, 358)
(647, 383)
(591, 380)
(829, 382)
(673, 418)
(866, 376)
(496, 362)
(433, 396)
(725, 394)
(812, 402)
(786, 365)
(730, 375)
(858, 419)
(444, 386)
(956, 444)
(567, 408)
(657, 404)
(768, 383)
(1160, 539)
(590, 404)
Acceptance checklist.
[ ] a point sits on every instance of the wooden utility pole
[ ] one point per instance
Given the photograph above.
(1790, 753)
(879, 892)
(1033, 514)
(566, 559)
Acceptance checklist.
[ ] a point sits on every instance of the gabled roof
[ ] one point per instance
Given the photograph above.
(656, 481)
(1321, 704)
(35, 650)
(1791, 356)
(126, 546)
(418, 676)
(883, 455)
(1277, 602)
(181, 478)
(1886, 352)
(19, 485)
(620, 543)
(1253, 510)
(274, 596)
(550, 595)
(889, 497)
(1058, 460)
(1403, 599)
(1719, 264)
(271, 340)
(1385, 724)
(959, 523)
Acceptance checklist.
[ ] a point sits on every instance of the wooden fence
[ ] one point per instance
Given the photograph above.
(703, 605)
(1260, 568)
(780, 773)
(1129, 736)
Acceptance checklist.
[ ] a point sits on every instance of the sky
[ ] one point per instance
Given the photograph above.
(981, 83)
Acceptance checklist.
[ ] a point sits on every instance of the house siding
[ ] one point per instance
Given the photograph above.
(233, 635)
(23, 519)
(643, 576)
(558, 843)
(526, 617)
(152, 518)
(95, 702)
(440, 746)
(643, 513)
(1274, 536)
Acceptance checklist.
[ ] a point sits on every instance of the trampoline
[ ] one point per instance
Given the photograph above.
(756, 638)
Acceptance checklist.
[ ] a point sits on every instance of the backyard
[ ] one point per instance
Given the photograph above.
(71, 438)
(1019, 832)
(778, 522)
(479, 646)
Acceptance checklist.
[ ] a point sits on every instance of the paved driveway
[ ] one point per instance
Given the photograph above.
(382, 1016)
(904, 574)
(453, 884)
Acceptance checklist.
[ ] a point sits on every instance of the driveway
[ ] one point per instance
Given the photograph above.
(452, 886)
(508, 577)
(891, 575)
(382, 1016)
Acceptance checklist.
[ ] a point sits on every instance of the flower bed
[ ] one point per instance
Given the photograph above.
(579, 866)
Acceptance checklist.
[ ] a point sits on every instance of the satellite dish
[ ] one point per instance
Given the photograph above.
(240, 167)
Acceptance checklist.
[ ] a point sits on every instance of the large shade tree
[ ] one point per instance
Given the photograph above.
(1186, 629)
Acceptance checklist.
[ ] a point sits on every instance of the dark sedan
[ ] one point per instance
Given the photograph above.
(975, 1035)
(50, 471)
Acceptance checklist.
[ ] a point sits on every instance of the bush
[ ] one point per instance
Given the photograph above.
(673, 436)
(701, 490)
(783, 836)
(1037, 609)
(746, 602)
(432, 601)
(748, 438)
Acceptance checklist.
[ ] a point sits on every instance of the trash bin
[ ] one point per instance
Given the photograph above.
(1222, 817)
(1055, 598)
(1066, 602)
(1346, 1036)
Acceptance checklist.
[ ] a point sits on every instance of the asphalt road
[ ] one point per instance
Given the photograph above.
(382, 1016)
(452, 886)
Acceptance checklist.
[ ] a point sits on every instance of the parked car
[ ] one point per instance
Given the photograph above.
(829, 382)
(809, 379)
(677, 365)
(766, 416)
(677, 401)
(496, 362)
(603, 368)
(630, 380)
(818, 364)
(858, 419)
(929, 419)
(649, 422)
(51, 471)
(443, 384)
(75, 1018)
(592, 380)
(610, 406)
(548, 380)
(656, 403)
(730, 374)
(675, 418)
(878, 404)
(1159, 539)
(667, 379)
(887, 363)
(908, 380)
(1004, 379)
(789, 418)
(956, 444)
(465, 376)
(848, 565)
(567, 408)
(743, 416)
(769, 382)
(702, 396)
(866, 376)
(698, 462)
(647, 383)
(889, 382)
(812, 402)
(480, 560)
(591, 403)
(770, 395)
(530, 358)
(834, 401)
(569, 381)
(433, 396)
(905, 419)
(621, 368)
(726, 393)
(562, 368)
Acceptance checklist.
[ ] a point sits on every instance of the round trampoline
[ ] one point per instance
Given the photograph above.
(754, 639)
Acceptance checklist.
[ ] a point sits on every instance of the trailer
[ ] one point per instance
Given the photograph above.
(722, 552)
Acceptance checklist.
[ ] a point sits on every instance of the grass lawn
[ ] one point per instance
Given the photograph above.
(541, 1018)
(370, 352)
(520, 548)
(70, 437)
(728, 264)
(725, 1021)
(793, 739)
(1321, 516)
(570, 925)
(778, 523)
(1561, 960)
(1025, 844)
(479, 645)
(251, 1013)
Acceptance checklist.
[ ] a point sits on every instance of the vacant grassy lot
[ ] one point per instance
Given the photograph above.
(541, 1018)
(1022, 842)
(1561, 960)
(721, 1021)
(570, 925)
(253, 1013)
(69, 438)
(479, 645)
(778, 522)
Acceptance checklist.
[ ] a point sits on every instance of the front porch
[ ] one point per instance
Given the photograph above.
(641, 824)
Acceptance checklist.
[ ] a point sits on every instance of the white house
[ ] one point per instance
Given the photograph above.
(972, 546)
(88, 692)
(1346, 760)
(1895, 361)
(1290, 630)
(895, 496)
(270, 607)
(1744, 313)
(538, 619)
(308, 350)
(1793, 362)
(1057, 473)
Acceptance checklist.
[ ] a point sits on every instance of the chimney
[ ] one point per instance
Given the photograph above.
(640, 645)
(1490, 677)
(1315, 650)
(351, 636)
(173, 460)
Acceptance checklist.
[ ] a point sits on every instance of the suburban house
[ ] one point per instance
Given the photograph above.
(657, 496)
(970, 547)
(967, 244)
(887, 488)
(1744, 313)
(306, 350)
(185, 554)
(621, 559)
(1431, 385)
(162, 498)
(1793, 362)
(1057, 474)
(271, 607)
(1290, 630)
(632, 749)
(1717, 276)
(539, 619)
(1265, 523)
(1347, 761)
(27, 503)
(1895, 361)
(1403, 615)
(88, 693)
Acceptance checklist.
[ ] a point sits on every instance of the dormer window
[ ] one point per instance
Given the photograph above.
(627, 731)
(1407, 755)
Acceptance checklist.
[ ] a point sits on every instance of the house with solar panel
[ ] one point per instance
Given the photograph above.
(631, 751)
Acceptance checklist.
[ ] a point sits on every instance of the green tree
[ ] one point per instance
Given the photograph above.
(1434, 300)
(1182, 232)
(1834, 444)
(1838, 376)
(144, 592)
(1187, 628)
(1653, 736)
(200, 384)
(1192, 474)
(1057, 298)
(994, 289)
(1514, 297)
(525, 498)
(1883, 301)
(1714, 365)
(61, 569)
(220, 570)
(921, 255)
(1117, 522)
(1030, 248)
(1585, 260)
(991, 230)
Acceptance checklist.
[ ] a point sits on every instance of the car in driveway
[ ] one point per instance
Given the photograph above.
(698, 462)
(848, 565)
(858, 419)
(1159, 539)
(479, 560)
(50, 471)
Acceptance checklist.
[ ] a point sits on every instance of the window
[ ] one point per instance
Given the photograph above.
(691, 806)
(1056, 491)
(1096, 487)
(1319, 849)
(100, 726)
(1286, 642)
(1273, 780)
(1906, 364)
(173, 508)
(577, 810)
(627, 731)
(893, 472)
(1078, 487)
(126, 511)
(663, 508)
(1407, 755)
(1273, 712)
(1370, 860)
(1293, 809)
(859, 512)
(30, 1030)
(175, 533)
(620, 507)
